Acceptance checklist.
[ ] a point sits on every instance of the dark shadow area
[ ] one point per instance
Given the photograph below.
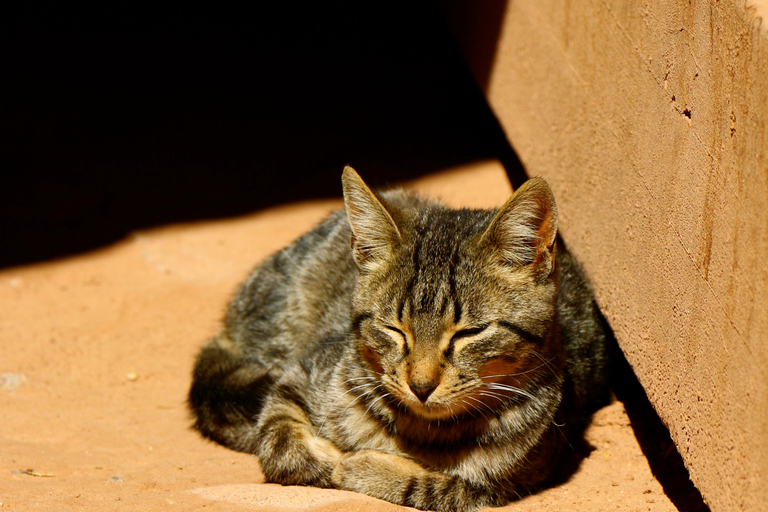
(121, 117)
(574, 454)
(477, 26)
(665, 461)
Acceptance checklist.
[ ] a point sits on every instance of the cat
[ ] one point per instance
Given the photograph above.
(432, 357)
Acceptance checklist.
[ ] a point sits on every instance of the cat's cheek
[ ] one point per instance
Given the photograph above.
(372, 359)
(496, 369)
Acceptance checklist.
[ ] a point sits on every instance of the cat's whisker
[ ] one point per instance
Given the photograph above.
(516, 374)
(513, 389)
(353, 367)
(505, 387)
(468, 405)
(450, 411)
(493, 411)
(497, 375)
(350, 380)
(331, 408)
(370, 405)
(497, 396)
(358, 397)
(547, 363)
(477, 408)
(480, 411)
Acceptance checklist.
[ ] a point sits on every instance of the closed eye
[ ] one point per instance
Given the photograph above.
(395, 329)
(406, 349)
(459, 335)
(466, 333)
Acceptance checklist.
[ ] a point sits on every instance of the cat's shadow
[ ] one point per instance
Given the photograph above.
(652, 436)
(577, 450)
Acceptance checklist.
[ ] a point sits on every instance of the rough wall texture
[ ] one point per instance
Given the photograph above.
(650, 120)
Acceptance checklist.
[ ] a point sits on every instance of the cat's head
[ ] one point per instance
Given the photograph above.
(454, 310)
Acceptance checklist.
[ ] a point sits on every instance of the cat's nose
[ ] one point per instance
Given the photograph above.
(422, 390)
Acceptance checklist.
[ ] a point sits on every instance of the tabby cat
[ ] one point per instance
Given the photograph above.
(431, 357)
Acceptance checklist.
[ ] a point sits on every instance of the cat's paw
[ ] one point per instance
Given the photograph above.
(374, 473)
(354, 465)
(405, 482)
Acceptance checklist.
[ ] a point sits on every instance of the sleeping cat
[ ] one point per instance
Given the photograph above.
(431, 357)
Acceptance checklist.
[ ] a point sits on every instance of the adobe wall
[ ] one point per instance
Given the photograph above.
(650, 121)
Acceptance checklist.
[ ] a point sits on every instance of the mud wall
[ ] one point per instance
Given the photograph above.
(650, 120)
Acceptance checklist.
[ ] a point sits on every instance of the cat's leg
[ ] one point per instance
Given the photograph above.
(405, 482)
(290, 452)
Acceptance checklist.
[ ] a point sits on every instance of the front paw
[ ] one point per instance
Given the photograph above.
(351, 468)
(375, 473)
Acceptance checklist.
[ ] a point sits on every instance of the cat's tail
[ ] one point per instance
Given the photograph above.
(227, 393)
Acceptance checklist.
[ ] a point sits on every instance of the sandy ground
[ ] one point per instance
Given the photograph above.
(95, 359)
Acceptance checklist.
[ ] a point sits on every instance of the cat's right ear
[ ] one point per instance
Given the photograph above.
(524, 229)
(374, 232)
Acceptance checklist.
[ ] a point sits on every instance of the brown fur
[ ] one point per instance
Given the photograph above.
(431, 357)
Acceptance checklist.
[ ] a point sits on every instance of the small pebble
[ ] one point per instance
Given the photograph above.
(133, 376)
(10, 381)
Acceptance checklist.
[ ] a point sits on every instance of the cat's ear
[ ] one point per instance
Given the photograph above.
(524, 229)
(374, 232)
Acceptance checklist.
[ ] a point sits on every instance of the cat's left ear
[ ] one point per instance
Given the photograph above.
(374, 232)
(524, 229)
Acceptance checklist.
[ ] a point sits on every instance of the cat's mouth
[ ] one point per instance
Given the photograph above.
(433, 411)
(442, 404)
(481, 403)
(436, 407)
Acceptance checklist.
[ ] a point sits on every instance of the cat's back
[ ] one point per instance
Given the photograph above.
(298, 295)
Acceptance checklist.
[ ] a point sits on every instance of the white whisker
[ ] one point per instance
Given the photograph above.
(497, 396)
(504, 387)
(547, 363)
(544, 363)
(325, 418)
(381, 397)
(477, 408)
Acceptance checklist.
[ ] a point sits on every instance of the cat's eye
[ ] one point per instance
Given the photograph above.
(466, 333)
(463, 333)
(395, 330)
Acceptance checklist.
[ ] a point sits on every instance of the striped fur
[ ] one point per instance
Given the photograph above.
(431, 357)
